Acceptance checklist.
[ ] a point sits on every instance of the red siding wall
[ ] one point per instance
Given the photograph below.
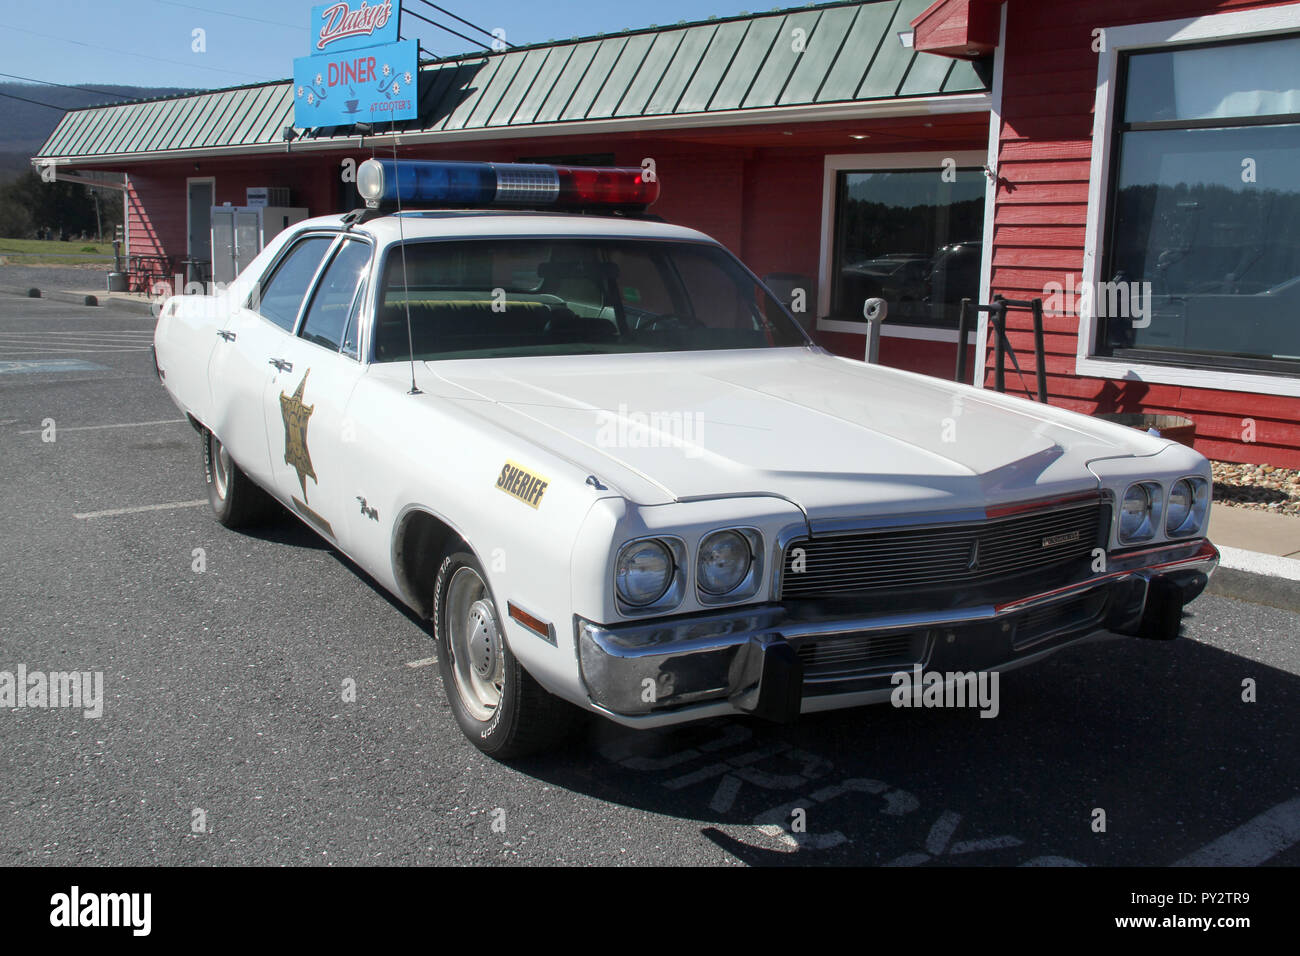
(1044, 152)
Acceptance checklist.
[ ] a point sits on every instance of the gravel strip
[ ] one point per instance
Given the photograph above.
(1257, 487)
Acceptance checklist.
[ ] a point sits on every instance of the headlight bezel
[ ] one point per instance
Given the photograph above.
(1153, 517)
(673, 591)
(749, 582)
(1194, 521)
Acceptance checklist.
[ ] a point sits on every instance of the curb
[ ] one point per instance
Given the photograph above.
(62, 296)
(1257, 578)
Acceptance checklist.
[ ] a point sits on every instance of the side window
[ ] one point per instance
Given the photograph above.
(283, 293)
(327, 316)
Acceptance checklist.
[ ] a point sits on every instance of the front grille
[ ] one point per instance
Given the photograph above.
(1046, 544)
(856, 655)
(1044, 622)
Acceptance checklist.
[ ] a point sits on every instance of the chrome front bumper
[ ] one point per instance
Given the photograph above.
(762, 659)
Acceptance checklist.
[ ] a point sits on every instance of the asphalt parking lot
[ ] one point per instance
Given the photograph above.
(226, 738)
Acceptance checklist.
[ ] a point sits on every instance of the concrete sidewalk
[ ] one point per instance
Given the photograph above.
(133, 302)
(1260, 559)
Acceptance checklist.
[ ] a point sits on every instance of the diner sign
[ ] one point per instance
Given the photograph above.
(340, 26)
(358, 71)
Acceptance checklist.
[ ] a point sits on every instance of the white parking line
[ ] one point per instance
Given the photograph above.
(1254, 842)
(423, 662)
(91, 428)
(113, 512)
(30, 353)
(40, 341)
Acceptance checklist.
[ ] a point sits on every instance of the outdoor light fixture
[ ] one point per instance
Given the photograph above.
(364, 129)
(288, 134)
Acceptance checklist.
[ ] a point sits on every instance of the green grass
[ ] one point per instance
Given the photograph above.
(52, 252)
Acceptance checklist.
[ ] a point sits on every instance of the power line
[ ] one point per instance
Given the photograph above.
(237, 16)
(61, 109)
(84, 89)
(144, 56)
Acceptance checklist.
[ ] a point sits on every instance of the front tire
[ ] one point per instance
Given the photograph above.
(497, 704)
(236, 502)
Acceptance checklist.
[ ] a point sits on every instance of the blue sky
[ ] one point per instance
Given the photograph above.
(149, 42)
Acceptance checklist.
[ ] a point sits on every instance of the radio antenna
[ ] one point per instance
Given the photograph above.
(406, 288)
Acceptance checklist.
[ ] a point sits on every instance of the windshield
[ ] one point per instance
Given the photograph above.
(486, 298)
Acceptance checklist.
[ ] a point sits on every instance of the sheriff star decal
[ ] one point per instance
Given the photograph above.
(296, 414)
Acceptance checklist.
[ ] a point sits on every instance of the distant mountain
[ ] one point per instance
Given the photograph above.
(24, 127)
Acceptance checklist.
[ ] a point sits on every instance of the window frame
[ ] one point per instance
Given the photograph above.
(253, 301)
(835, 164)
(356, 306)
(1108, 127)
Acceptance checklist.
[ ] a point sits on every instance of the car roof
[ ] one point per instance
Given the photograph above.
(475, 223)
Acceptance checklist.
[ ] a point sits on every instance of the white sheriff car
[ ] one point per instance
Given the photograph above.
(618, 476)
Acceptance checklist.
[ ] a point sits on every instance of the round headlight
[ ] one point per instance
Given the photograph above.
(643, 572)
(723, 563)
(1134, 513)
(1181, 497)
(1189, 499)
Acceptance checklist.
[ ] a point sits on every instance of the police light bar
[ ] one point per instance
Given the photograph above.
(434, 183)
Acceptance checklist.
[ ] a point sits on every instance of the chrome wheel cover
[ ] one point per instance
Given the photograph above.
(474, 639)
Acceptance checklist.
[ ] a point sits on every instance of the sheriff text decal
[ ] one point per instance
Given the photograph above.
(521, 483)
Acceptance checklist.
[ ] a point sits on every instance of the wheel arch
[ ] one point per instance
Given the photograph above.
(420, 540)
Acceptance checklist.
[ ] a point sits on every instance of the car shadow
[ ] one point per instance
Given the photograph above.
(1120, 752)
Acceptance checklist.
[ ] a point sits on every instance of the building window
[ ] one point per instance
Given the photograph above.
(1204, 208)
(911, 237)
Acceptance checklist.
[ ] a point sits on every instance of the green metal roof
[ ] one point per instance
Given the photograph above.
(851, 55)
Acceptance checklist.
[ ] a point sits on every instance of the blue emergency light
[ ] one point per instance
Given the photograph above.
(435, 183)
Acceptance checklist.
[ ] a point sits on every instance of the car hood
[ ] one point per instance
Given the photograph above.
(836, 437)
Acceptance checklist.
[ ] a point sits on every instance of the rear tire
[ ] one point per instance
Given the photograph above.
(236, 502)
(497, 704)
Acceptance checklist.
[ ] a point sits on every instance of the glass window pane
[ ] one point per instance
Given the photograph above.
(283, 293)
(492, 298)
(1259, 78)
(1211, 219)
(911, 238)
(328, 313)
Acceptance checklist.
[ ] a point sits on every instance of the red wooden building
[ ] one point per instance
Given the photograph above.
(918, 152)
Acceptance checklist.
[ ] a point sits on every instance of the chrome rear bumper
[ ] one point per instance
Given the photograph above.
(778, 660)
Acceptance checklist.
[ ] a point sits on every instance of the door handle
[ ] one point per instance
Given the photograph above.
(281, 364)
(228, 336)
